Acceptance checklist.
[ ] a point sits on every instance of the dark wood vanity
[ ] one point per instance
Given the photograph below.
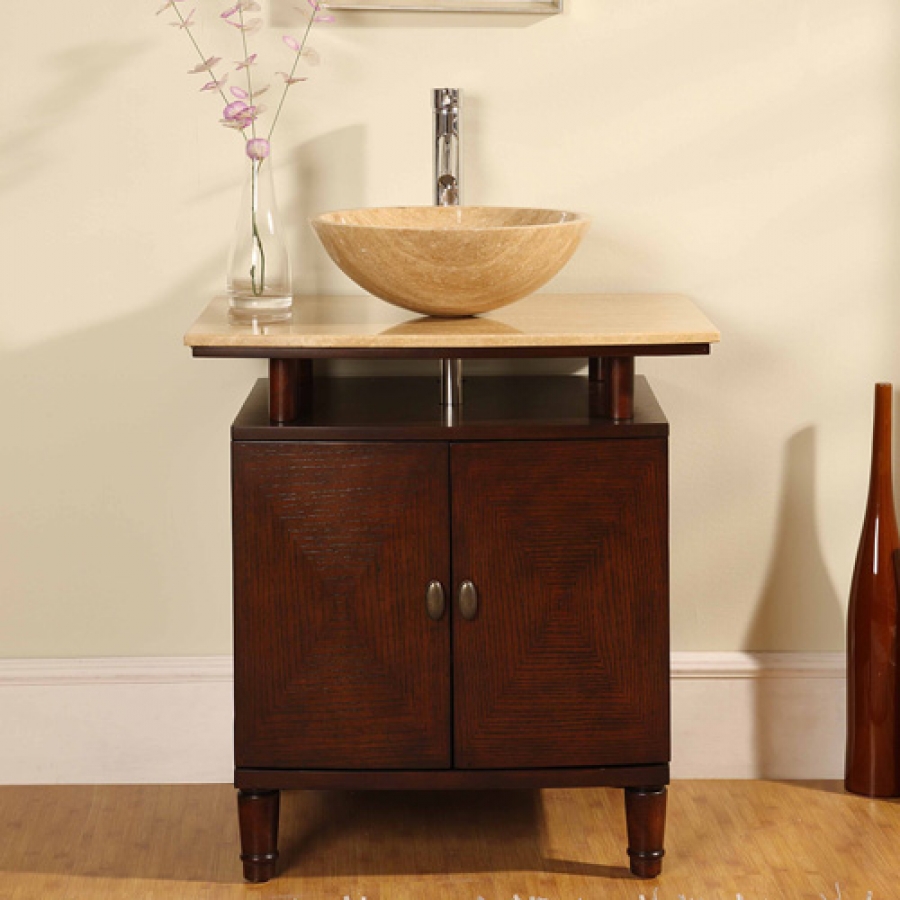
(467, 598)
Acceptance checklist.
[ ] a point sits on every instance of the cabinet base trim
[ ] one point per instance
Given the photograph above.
(451, 779)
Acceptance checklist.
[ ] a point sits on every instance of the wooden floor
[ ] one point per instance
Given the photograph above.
(764, 840)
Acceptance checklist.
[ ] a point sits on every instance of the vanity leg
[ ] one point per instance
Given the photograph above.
(258, 819)
(290, 388)
(645, 814)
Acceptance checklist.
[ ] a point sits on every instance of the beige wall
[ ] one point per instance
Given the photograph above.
(744, 152)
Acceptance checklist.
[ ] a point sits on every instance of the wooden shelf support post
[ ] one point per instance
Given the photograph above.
(290, 389)
(618, 381)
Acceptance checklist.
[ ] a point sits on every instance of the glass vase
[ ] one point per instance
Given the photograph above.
(259, 268)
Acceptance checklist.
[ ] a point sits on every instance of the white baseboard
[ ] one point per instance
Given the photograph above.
(116, 721)
(758, 715)
(113, 721)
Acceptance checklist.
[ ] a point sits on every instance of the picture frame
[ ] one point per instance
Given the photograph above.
(540, 7)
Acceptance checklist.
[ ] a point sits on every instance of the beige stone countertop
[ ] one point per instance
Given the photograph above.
(542, 320)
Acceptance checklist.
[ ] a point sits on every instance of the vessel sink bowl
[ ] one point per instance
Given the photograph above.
(450, 260)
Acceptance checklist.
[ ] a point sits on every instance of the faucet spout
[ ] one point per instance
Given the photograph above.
(446, 147)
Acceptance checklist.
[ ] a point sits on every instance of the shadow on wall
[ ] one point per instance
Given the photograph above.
(79, 72)
(317, 177)
(115, 487)
(799, 606)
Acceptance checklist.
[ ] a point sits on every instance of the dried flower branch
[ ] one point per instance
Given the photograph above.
(242, 110)
(244, 118)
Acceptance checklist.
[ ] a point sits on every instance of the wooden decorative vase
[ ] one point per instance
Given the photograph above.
(873, 688)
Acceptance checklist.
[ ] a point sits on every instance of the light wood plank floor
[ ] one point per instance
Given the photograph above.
(764, 840)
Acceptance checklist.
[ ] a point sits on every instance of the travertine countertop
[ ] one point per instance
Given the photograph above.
(541, 320)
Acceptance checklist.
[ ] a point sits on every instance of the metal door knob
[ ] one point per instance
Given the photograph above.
(435, 601)
(468, 600)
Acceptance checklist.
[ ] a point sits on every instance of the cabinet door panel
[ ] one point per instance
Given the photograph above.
(567, 660)
(337, 663)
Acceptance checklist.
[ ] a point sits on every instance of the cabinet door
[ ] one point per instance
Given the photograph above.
(337, 663)
(566, 662)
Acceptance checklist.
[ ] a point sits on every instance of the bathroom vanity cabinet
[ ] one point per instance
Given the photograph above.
(427, 597)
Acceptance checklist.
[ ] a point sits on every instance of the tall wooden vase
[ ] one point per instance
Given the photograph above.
(873, 688)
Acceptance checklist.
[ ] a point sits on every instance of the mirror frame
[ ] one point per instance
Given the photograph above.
(545, 7)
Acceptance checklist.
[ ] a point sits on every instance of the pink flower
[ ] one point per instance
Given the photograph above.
(288, 79)
(258, 148)
(235, 110)
(250, 27)
(167, 5)
(215, 84)
(239, 115)
(317, 17)
(205, 66)
(243, 6)
(243, 111)
(188, 21)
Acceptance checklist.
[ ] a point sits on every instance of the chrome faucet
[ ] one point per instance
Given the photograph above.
(446, 193)
(446, 147)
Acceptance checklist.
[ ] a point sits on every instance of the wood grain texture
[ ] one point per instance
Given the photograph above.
(567, 661)
(766, 840)
(337, 664)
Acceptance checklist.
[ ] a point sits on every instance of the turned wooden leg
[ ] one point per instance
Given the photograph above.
(258, 818)
(645, 814)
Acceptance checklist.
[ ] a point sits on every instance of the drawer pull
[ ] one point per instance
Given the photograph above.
(468, 600)
(434, 600)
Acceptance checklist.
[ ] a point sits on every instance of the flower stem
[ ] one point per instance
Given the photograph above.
(247, 68)
(259, 288)
(287, 83)
(187, 31)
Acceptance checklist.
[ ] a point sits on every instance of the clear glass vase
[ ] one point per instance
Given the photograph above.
(259, 268)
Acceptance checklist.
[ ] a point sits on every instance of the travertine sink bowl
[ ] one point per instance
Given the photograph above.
(450, 260)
